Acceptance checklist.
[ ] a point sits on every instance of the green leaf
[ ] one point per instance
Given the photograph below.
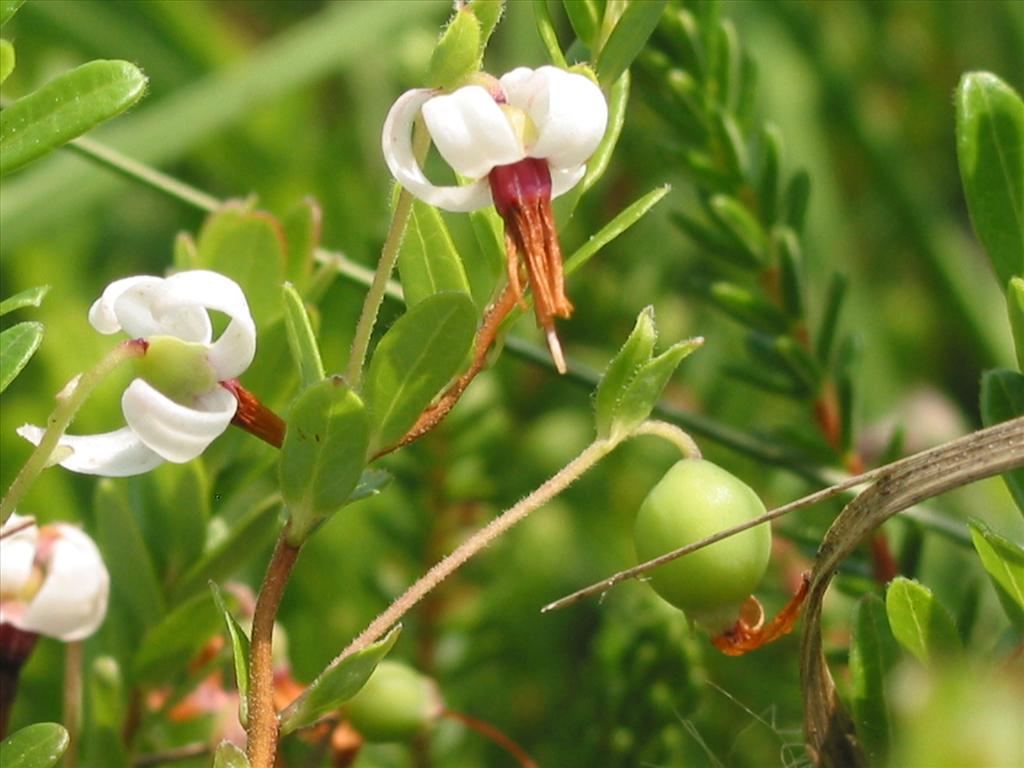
(66, 107)
(625, 219)
(17, 345)
(370, 483)
(239, 654)
(746, 307)
(830, 317)
(785, 249)
(336, 685)
(324, 453)
(990, 148)
(428, 261)
(1002, 399)
(177, 514)
(229, 756)
(546, 30)
(7, 59)
(249, 247)
(423, 351)
(628, 38)
(35, 746)
(768, 188)
(623, 368)
(458, 52)
(167, 648)
(135, 590)
(919, 622)
(302, 226)
(33, 297)
(1015, 309)
(741, 227)
(488, 13)
(248, 535)
(873, 652)
(1004, 562)
(585, 18)
(102, 739)
(301, 339)
(798, 194)
(8, 8)
(618, 102)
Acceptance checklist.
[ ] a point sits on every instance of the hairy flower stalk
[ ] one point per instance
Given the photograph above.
(523, 140)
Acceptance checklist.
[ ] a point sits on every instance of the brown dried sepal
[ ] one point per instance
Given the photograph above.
(750, 632)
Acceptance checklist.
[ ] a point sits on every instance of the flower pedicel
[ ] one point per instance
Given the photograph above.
(523, 140)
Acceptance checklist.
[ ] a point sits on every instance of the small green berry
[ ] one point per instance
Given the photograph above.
(396, 704)
(696, 499)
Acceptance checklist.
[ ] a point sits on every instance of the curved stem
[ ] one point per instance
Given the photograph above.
(554, 485)
(262, 728)
(489, 731)
(672, 434)
(69, 400)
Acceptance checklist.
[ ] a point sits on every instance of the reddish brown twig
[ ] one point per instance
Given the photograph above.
(254, 417)
(491, 732)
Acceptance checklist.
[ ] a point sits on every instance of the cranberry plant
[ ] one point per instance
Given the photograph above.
(578, 382)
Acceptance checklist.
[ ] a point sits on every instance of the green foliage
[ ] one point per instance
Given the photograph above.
(323, 454)
(418, 355)
(458, 52)
(990, 147)
(627, 38)
(229, 756)
(66, 107)
(1015, 309)
(428, 261)
(1004, 562)
(336, 685)
(17, 345)
(1002, 398)
(873, 653)
(102, 740)
(919, 622)
(179, 636)
(35, 746)
(239, 653)
(7, 59)
(32, 297)
(301, 339)
(8, 8)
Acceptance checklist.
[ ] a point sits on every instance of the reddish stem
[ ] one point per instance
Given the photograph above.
(254, 417)
(489, 731)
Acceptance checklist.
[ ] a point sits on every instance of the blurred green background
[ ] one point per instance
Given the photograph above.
(283, 100)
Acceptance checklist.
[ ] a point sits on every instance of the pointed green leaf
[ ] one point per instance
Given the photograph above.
(1004, 562)
(135, 595)
(1015, 309)
(239, 654)
(618, 101)
(249, 247)
(585, 18)
(336, 685)
(323, 455)
(642, 393)
(798, 194)
(546, 30)
(177, 512)
(301, 339)
(302, 226)
(768, 179)
(785, 249)
(623, 368)
(17, 345)
(428, 261)
(229, 756)
(990, 148)
(7, 59)
(66, 107)
(8, 8)
(458, 52)
(1002, 398)
(741, 227)
(35, 746)
(873, 652)
(488, 13)
(628, 38)
(33, 297)
(422, 352)
(919, 622)
(167, 648)
(102, 739)
(746, 306)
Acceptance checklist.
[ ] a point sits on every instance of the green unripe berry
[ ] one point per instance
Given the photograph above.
(396, 704)
(179, 369)
(696, 499)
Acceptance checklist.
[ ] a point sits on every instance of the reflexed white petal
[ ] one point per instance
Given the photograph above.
(17, 550)
(72, 601)
(563, 181)
(471, 132)
(569, 110)
(234, 350)
(110, 454)
(139, 311)
(176, 432)
(396, 143)
(101, 313)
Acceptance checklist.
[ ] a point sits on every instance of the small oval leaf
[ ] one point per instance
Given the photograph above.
(229, 756)
(239, 653)
(919, 622)
(34, 746)
(428, 261)
(338, 683)
(17, 345)
(301, 339)
(33, 297)
(458, 53)
(628, 38)
(66, 107)
(1004, 562)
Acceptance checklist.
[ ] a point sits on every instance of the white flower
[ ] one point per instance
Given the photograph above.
(178, 423)
(544, 113)
(52, 580)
